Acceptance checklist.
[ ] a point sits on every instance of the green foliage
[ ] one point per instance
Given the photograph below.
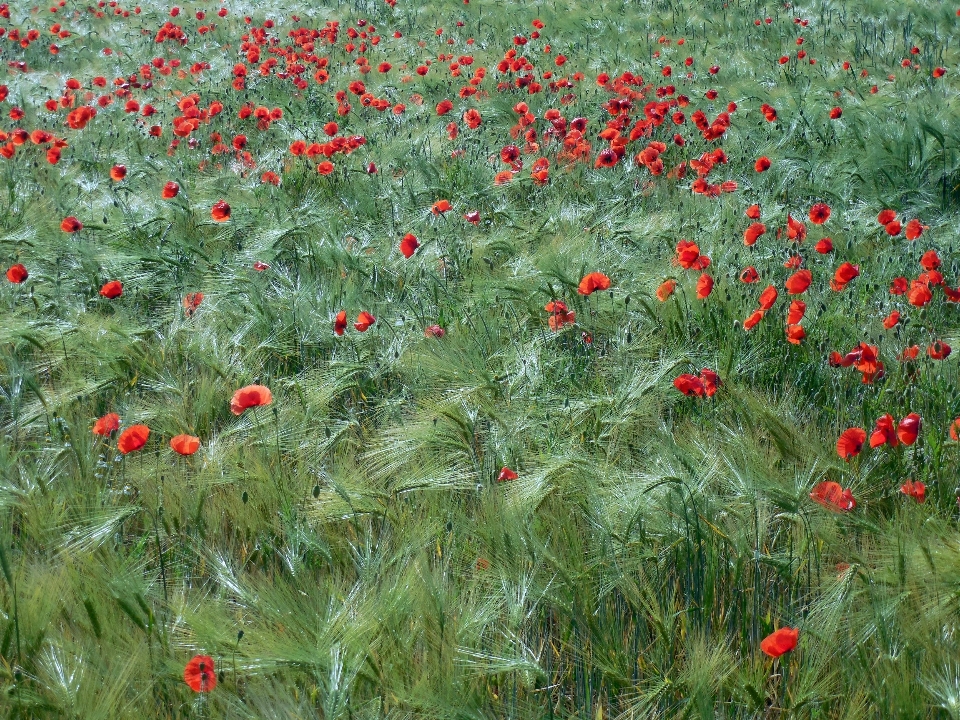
(348, 552)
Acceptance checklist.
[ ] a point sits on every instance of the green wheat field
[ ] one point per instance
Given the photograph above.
(477, 360)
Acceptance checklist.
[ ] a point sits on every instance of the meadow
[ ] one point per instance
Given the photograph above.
(480, 359)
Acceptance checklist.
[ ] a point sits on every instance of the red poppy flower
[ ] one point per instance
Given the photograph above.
(118, 172)
(710, 380)
(755, 317)
(506, 474)
(220, 211)
(768, 297)
(844, 274)
(796, 230)
(753, 232)
(779, 642)
(938, 350)
(71, 225)
(915, 229)
(199, 674)
(689, 385)
(795, 334)
(191, 301)
(884, 432)
(833, 497)
(908, 429)
(17, 274)
(689, 257)
(749, 275)
(886, 216)
(440, 207)
(824, 246)
(593, 281)
(409, 245)
(819, 213)
(170, 190)
(185, 444)
(796, 312)
(898, 286)
(891, 320)
(133, 438)
(106, 424)
(704, 286)
(250, 396)
(364, 321)
(434, 331)
(799, 282)
(753, 212)
(835, 113)
(909, 353)
(851, 442)
(666, 290)
(917, 490)
(930, 260)
(112, 289)
(260, 266)
(762, 164)
(325, 168)
(559, 315)
(340, 324)
(893, 228)
(919, 294)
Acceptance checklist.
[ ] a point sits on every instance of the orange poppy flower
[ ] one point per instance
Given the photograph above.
(409, 245)
(440, 207)
(666, 290)
(779, 642)
(796, 312)
(17, 274)
(850, 442)
(170, 190)
(71, 225)
(112, 289)
(133, 438)
(955, 430)
(185, 444)
(199, 674)
(340, 323)
(250, 396)
(220, 211)
(593, 281)
(833, 497)
(917, 490)
(107, 424)
(364, 321)
(118, 172)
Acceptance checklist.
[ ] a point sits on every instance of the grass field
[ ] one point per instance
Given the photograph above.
(480, 360)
